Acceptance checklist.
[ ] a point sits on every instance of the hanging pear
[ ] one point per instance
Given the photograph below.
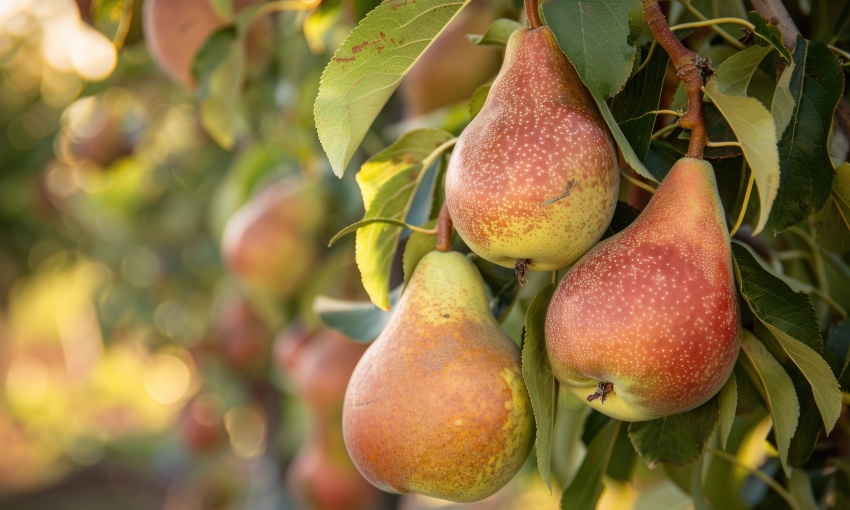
(647, 324)
(437, 404)
(533, 180)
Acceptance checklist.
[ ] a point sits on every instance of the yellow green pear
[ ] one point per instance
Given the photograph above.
(534, 178)
(437, 404)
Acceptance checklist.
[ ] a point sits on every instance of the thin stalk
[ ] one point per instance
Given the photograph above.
(729, 38)
(744, 205)
(648, 56)
(709, 143)
(444, 230)
(712, 22)
(636, 182)
(842, 53)
(663, 131)
(532, 13)
(761, 475)
(826, 298)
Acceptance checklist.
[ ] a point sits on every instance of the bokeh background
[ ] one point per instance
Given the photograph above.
(165, 211)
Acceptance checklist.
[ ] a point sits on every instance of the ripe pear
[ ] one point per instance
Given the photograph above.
(534, 177)
(437, 405)
(175, 30)
(269, 244)
(647, 324)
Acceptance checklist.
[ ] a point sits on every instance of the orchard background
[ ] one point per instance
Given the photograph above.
(181, 304)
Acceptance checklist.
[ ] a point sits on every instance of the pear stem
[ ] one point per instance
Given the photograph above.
(688, 68)
(444, 230)
(531, 12)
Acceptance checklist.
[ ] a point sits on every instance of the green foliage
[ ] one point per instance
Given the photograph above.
(586, 487)
(498, 33)
(369, 65)
(677, 439)
(541, 383)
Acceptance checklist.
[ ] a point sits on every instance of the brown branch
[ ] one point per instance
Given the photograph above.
(531, 12)
(687, 65)
(444, 230)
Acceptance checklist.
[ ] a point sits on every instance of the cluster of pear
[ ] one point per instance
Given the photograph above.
(644, 325)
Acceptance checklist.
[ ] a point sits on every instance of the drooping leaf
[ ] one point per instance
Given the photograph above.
(599, 38)
(782, 106)
(369, 65)
(807, 174)
(776, 388)
(388, 182)
(631, 108)
(584, 491)
(809, 426)
(752, 123)
(800, 487)
(773, 301)
(219, 69)
(622, 463)
(476, 102)
(768, 34)
(541, 383)
(418, 245)
(497, 34)
(791, 319)
(728, 405)
(625, 147)
(678, 439)
(361, 321)
(832, 223)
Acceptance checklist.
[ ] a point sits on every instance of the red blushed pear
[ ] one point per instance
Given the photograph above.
(647, 324)
(533, 180)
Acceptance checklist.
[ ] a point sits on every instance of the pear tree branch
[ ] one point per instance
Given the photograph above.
(444, 230)
(687, 64)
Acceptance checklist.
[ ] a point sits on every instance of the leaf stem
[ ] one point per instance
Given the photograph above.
(663, 131)
(709, 143)
(444, 230)
(636, 182)
(826, 298)
(664, 112)
(648, 56)
(712, 22)
(716, 29)
(687, 64)
(436, 153)
(745, 204)
(531, 12)
(840, 52)
(761, 475)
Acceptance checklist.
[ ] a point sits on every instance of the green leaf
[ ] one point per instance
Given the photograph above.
(800, 487)
(773, 301)
(625, 147)
(502, 283)
(476, 102)
(791, 319)
(678, 439)
(219, 69)
(807, 174)
(767, 34)
(752, 123)
(369, 65)
(497, 34)
(388, 182)
(599, 38)
(832, 223)
(361, 321)
(584, 491)
(631, 108)
(776, 388)
(782, 107)
(728, 405)
(418, 245)
(541, 384)
(809, 426)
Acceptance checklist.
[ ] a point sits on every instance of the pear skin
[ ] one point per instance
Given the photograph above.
(535, 174)
(437, 405)
(652, 312)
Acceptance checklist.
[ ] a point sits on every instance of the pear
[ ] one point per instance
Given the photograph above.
(534, 178)
(269, 244)
(647, 324)
(437, 405)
